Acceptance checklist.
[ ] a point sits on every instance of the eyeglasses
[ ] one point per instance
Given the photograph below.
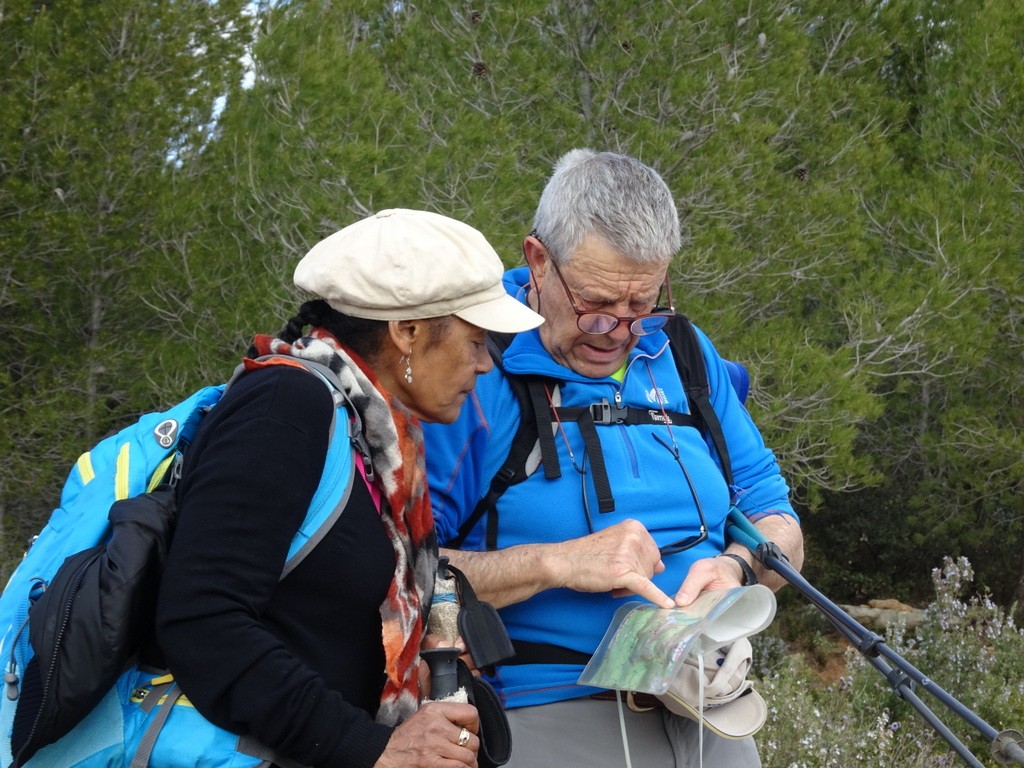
(689, 542)
(600, 323)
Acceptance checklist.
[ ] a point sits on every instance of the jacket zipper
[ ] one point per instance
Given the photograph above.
(624, 432)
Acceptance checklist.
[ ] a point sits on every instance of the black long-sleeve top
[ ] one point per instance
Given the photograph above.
(297, 662)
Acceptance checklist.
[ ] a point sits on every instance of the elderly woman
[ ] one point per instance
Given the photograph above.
(321, 666)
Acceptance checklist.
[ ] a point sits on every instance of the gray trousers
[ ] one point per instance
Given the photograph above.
(585, 732)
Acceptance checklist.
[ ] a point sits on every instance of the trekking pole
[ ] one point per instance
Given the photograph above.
(1007, 746)
(443, 622)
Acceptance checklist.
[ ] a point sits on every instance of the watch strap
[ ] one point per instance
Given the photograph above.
(748, 573)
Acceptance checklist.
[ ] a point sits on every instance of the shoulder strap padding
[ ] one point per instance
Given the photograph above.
(335, 487)
(524, 442)
(690, 361)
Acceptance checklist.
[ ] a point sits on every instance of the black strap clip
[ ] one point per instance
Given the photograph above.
(607, 413)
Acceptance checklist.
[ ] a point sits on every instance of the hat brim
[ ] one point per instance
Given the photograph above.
(737, 719)
(501, 315)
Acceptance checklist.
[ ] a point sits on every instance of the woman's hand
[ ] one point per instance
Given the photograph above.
(431, 738)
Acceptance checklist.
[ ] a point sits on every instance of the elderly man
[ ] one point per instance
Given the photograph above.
(638, 505)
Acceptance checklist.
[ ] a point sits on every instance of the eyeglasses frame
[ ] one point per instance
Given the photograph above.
(634, 323)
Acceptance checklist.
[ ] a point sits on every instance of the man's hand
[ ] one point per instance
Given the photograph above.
(724, 573)
(709, 573)
(620, 559)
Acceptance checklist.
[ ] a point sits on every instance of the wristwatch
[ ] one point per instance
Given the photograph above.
(748, 572)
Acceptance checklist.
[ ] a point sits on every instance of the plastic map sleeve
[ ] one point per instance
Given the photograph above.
(644, 645)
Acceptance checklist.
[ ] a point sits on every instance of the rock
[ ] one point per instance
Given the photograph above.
(879, 614)
(890, 604)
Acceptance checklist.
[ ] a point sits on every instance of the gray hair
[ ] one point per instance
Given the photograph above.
(616, 197)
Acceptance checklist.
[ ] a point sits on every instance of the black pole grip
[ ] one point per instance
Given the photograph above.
(444, 673)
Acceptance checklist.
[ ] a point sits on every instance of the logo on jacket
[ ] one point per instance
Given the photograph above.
(656, 395)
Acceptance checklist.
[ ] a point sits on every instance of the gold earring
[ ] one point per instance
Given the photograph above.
(408, 368)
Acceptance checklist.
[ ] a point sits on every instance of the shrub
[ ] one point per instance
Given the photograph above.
(968, 646)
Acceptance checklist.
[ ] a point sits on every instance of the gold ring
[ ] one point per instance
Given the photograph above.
(463, 737)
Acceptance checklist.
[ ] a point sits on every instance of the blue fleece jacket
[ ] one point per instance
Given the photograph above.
(646, 482)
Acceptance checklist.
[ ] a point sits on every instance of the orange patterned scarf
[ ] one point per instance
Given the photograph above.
(394, 440)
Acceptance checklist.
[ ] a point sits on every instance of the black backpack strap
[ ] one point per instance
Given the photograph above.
(592, 443)
(609, 413)
(540, 414)
(690, 362)
(514, 465)
(513, 469)
(533, 404)
(527, 652)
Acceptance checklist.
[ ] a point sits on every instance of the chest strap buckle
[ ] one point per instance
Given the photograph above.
(607, 413)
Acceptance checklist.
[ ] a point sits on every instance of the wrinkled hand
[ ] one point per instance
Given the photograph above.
(429, 739)
(709, 573)
(620, 559)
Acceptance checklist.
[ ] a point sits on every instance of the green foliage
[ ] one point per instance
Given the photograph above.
(315, 142)
(950, 440)
(767, 123)
(101, 106)
(849, 178)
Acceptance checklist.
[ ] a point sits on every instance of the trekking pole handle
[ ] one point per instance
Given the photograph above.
(444, 674)
(744, 532)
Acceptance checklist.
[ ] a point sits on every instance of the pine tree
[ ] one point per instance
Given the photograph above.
(101, 106)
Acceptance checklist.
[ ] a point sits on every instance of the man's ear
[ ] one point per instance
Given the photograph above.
(537, 257)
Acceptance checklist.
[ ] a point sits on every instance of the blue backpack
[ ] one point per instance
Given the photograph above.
(80, 603)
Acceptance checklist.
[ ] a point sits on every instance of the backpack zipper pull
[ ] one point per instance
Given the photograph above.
(359, 443)
(175, 472)
(11, 681)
